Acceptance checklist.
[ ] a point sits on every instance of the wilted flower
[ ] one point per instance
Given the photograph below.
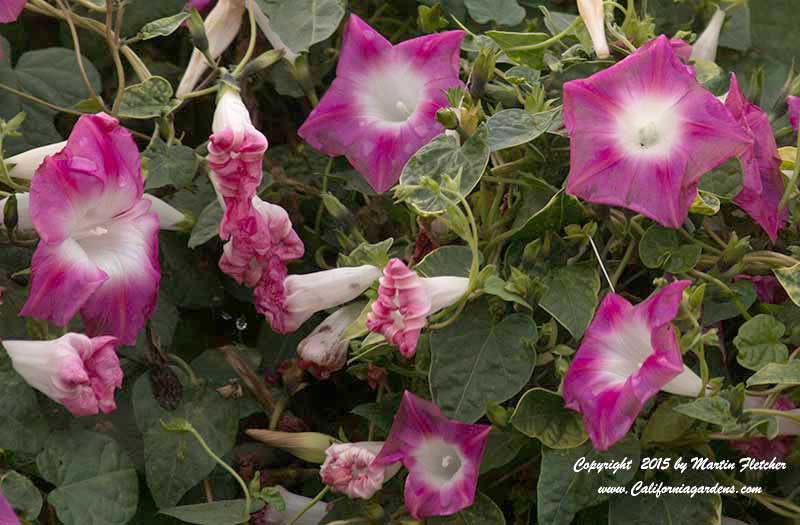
(763, 182)
(381, 107)
(308, 446)
(79, 372)
(98, 251)
(705, 47)
(301, 296)
(376, 376)
(10, 10)
(7, 514)
(627, 355)
(782, 445)
(794, 111)
(221, 25)
(323, 351)
(768, 289)
(643, 131)
(594, 18)
(442, 456)
(405, 301)
(349, 469)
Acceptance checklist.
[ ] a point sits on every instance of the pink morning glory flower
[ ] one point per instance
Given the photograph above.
(98, 248)
(381, 107)
(405, 301)
(627, 355)
(350, 469)
(7, 514)
(643, 132)
(10, 10)
(324, 351)
(763, 182)
(79, 372)
(289, 303)
(794, 111)
(442, 456)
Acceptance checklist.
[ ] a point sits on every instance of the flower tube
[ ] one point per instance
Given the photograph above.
(643, 132)
(294, 504)
(98, 248)
(627, 355)
(381, 107)
(442, 456)
(323, 351)
(705, 48)
(405, 301)
(763, 185)
(594, 18)
(26, 163)
(350, 469)
(79, 372)
(301, 296)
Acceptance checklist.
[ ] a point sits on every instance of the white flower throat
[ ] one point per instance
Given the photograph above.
(648, 127)
(392, 93)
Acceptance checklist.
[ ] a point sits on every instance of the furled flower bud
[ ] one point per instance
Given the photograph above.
(308, 446)
(26, 163)
(169, 217)
(79, 372)
(594, 19)
(323, 351)
(705, 48)
(349, 469)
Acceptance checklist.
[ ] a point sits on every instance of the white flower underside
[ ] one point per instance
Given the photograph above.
(649, 127)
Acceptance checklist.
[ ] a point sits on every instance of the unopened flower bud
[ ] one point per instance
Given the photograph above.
(447, 117)
(308, 446)
(10, 215)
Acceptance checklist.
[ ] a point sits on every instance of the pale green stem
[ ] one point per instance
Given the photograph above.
(252, 43)
(311, 503)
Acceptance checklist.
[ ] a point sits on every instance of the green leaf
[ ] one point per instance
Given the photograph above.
(501, 448)
(777, 374)
(148, 99)
(162, 27)
(504, 12)
(724, 182)
(669, 509)
(447, 260)
(717, 306)
(571, 296)
(508, 42)
(715, 410)
(562, 492)
(207, 226)
(365, 253)
(172, 165)
(475, 361)
(175, 462)
(228, 512)
(23, 427)
(189, 279)
(759, 342)
(483, 511)
(443, 158)
(381, 414)
(665, 424)
(96, 481)
(735, 32)
(541, 414)
(533, 221)
(494, 285)
(49, 74)
(790, 280)
(303, 23)
(660, 247)
(512, 127)
(22, 494)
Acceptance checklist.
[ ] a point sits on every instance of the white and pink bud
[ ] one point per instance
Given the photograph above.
(308, 446)
(705, 48)
(594, 18)
(79, 372)
(350, 469)
(324, 351)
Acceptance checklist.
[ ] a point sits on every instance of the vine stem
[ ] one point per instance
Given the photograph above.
(78, 56)
(792, 184)
(311, 503)
(112, 40)
(600, 262)
(771, 412)
(735, 300)
(251, 45)
(40, 101)
(555, 38)
(183, 365)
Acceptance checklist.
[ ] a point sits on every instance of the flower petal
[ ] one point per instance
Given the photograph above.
(10, 11)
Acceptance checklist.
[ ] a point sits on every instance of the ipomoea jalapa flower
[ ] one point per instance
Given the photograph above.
(381, 107)
(594, 18)
(349, 469)
(308, 446)
(98, 248)
(7, 514)
(169, 218)
(442, 456)
(405, 301)
(294, 504)
(9, 12)
(323, 351)
(79, 372)
(794, 111)
(762, 187)
(304, 295)
(705, 47)
(643, 132)
(627, 355)
(222, 25)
